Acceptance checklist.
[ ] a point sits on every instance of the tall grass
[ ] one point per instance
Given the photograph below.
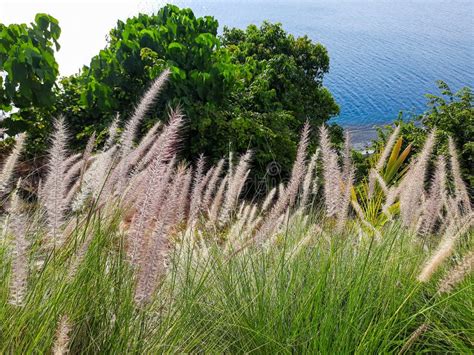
(136, 252)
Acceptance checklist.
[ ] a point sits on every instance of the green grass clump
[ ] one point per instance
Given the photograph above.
(341, 293)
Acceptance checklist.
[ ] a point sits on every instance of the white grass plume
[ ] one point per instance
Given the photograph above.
(145, 104)
(218, 200)
(198, 186)
(308, 179)
(331, 173)
(457, 274)
(152, 263)
(19, 272)
(61, 342)
(462, 196)
(211, 186)
(267, 202)
(345, 202)
(432, 207)
(112, 133)
(150, 202)
(445, 248)
(167, 142)
(55, 185)
(93, 181)
(10, 163)
(236, 183)
(412, 188)
(414, 337)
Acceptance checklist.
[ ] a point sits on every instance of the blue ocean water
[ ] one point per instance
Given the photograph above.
(385, 55)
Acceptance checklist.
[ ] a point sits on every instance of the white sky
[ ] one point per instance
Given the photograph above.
(84, 24)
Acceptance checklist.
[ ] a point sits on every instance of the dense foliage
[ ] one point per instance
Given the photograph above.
(246, 89)
(452, 114)
(28, 72)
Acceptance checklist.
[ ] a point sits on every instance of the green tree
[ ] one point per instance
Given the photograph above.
(138, 50)
(282, 89)
(28, 72)
(234, 97)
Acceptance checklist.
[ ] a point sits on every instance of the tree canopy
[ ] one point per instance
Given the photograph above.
(250, 88)
(29, 74)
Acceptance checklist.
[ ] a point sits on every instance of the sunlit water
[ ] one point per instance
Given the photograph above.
(385, 55)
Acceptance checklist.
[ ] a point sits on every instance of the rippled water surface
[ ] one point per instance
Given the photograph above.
(385, 55)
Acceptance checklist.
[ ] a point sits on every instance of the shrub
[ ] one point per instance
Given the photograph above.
(452, 115)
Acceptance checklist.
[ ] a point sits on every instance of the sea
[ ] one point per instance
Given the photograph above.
(384, 55)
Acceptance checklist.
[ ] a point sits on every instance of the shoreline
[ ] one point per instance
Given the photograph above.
(361, 137)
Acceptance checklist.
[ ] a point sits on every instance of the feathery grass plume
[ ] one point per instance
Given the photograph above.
(19, 273)
(112, 133)
(433, 206)
(211, 186)
(412, 188)
(342, 214)
(10, 163)
(462, 196)
(445, 247)
(236, 183)
(196, 194)
(72, 190)
(94, 179)
(217, 201)
(230, 167)
(74, 176)
(287, 197)
(164, 149)
(347, 161)
(143, 147)
(150, 204)
(145, 104)
(331, 173)
(87, 153)
(308, 179)
(72, 159)
(152, 263)
(457, 274)
(183, 200)
(371, 189)
(299, 167)
(387, 149)
(414, 337)
(167, 142)
(252, 215)
(131, 127)
(178, 194)
(235, 232)
(268, 200)
(55, 185)
(61, 342)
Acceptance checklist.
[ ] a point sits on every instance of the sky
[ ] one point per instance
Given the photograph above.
(84, 24)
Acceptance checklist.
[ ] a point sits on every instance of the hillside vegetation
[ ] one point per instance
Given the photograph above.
(126, 248)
